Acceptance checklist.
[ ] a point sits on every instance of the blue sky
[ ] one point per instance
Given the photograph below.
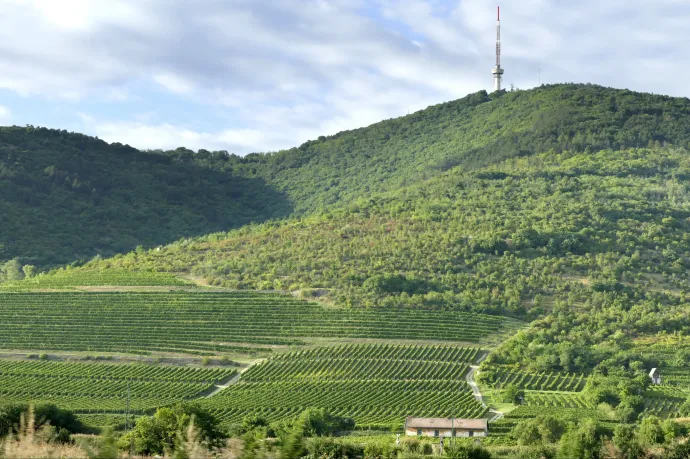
(260, 75)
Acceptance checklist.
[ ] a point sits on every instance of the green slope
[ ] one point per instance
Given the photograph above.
(65, 196)
(597, 242)
(471, 132)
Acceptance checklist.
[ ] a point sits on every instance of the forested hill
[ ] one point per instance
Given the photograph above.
(471, 132)
(65, 196)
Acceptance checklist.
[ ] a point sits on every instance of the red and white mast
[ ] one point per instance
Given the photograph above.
(498, 71)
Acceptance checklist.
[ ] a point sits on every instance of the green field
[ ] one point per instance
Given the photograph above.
(68, 279)
(99, 387)
(537, 381)
(376, 385)
(212, 322)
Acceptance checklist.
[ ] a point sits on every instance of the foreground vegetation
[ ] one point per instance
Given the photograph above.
(188, 432)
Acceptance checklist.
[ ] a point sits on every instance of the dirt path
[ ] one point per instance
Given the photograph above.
(495, 415)
(222, 385)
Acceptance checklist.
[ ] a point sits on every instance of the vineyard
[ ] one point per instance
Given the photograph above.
(94, 388)
(539, 381)
(556, 400)
(62, 279)
(209, 323)
(377, 385)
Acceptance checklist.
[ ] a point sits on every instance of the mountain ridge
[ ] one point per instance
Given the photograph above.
(46, 181)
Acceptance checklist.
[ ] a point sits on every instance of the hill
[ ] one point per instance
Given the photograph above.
(65, 196)
(475, 131)
(601, 237)
(566, 206)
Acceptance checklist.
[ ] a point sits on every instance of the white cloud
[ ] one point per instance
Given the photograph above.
(281, 72)
(5, 114)
(173, 83)
(169, 136)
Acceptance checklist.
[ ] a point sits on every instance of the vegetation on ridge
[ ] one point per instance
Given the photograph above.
(68, 197)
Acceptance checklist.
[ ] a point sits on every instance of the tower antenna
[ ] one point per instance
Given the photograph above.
(498, 71)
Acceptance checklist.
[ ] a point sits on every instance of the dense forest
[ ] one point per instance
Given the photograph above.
(67, 197)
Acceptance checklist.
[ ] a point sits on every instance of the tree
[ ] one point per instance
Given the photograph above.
(650, 432)
(471, 451)
(29, 271)
(580, 442)
(12, 270)
(526, 432)
(626, 442)
(293, 446)
(513, 394)
(161, 432)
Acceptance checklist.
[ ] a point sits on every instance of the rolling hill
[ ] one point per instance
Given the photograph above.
(559, 215)
(57, 185)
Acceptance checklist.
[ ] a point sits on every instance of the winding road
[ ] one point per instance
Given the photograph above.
(475, 389)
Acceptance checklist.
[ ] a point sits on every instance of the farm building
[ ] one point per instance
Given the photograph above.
(655, 376)
(445, 427)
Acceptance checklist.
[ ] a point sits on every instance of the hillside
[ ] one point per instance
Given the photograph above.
(65, 196)
(594, 242)
(591, 247)
(549, 228)
(477, 130)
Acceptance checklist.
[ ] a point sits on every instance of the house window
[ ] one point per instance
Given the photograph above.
(470, 433)
(419, 432)
(435, 433)
(454, 433)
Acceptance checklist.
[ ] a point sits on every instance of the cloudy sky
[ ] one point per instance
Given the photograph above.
(262, 75)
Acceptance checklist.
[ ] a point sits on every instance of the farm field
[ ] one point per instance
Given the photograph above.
(99, 388)
(212, 323)
(69, 279)
(536, 381)
(376, 385)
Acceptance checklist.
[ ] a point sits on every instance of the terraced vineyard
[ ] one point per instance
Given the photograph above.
(62, 279)
(94, 388)
(212, 322)
(377, 385)
(538, 381)
(557, 400)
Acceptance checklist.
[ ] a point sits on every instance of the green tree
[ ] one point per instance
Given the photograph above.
(29, 271)
(12, 270)
(471, 451)
(581, 442)
(650, 431)
(161, 432)
(513, 394)
(626, 442)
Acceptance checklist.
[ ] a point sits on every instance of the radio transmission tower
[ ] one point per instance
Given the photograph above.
(498, 71)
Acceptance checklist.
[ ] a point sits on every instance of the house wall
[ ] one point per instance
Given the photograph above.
(445, 432)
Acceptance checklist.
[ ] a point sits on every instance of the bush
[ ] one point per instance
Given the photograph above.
(467, 452)
(161, 432)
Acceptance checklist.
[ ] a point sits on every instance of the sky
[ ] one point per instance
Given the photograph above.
(263, 75)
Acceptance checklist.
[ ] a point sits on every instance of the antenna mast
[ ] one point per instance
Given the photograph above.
(498, 71)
